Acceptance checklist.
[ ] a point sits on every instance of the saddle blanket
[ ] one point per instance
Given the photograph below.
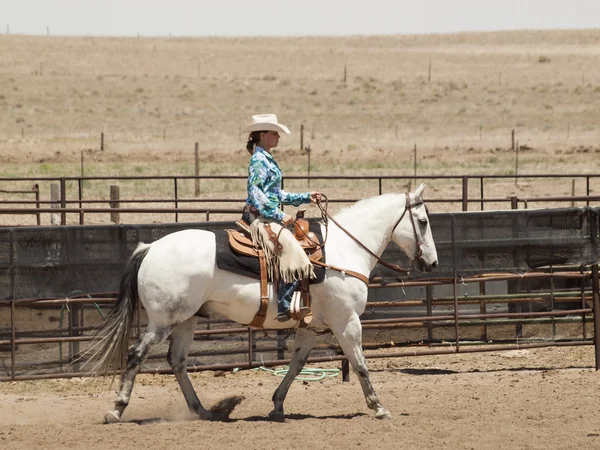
(248, 266)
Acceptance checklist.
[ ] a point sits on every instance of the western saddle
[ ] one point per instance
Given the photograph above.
(240, 241)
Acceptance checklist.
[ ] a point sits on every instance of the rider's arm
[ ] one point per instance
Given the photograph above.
(290, 198)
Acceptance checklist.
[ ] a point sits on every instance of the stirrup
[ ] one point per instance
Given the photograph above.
(297, 310)
(283, 317)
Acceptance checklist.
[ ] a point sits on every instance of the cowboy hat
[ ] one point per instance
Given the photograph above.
(265, 122)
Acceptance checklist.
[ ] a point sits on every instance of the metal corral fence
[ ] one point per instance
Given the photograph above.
(507, 280)
(71, 200)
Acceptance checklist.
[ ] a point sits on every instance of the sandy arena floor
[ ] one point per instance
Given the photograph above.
(530, 399)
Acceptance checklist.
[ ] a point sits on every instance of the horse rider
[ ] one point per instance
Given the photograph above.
(265, 196)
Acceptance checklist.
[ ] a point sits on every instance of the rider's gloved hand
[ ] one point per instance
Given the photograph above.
(287, 220)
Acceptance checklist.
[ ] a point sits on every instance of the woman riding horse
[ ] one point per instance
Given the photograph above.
(265, 196)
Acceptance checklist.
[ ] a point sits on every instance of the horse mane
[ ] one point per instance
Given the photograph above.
(364, 206)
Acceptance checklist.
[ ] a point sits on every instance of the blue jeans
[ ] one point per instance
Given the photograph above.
(284, 295)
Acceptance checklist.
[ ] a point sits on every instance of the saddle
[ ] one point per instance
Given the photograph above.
(240, 241)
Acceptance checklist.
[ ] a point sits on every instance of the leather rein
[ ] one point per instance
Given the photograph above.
(326, 217)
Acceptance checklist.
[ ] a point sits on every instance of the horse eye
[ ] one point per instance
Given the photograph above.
(423, 222)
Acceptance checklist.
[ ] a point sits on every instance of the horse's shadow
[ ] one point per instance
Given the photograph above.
(433, 371)
(294, 417)
(288, 417)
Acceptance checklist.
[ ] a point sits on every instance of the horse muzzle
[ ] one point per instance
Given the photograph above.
(423, 266)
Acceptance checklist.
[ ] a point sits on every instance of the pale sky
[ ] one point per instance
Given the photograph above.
(289, 17)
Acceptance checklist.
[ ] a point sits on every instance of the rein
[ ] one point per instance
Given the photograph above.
(395, 267)
(326, 217)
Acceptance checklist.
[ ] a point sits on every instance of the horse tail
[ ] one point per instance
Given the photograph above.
(112, 339)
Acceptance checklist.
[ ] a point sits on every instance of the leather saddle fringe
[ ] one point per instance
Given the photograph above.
(285, 258)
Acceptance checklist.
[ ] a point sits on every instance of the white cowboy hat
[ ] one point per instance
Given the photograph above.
(265, 122)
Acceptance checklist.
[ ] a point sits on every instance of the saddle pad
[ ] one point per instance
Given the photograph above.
(248, 266)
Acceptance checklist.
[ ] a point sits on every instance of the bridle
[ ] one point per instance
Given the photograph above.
(407, 207)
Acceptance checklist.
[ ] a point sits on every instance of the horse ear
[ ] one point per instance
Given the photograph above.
(419, 190)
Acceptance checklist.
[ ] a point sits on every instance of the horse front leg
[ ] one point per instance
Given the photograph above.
(303, 344)
(349, 336)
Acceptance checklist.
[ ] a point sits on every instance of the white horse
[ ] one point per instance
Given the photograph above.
(177, 277)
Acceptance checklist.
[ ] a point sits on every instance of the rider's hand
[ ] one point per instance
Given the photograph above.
(315, 197)
(287, 220)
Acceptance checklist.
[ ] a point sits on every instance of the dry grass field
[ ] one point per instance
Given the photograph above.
(154, 97)
(364, 102)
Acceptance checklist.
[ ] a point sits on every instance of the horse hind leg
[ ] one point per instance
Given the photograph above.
(136, 356)
(350, 339)
(303, 344)
(181, 339)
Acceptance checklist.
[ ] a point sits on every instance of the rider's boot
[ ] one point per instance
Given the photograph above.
(284, 295)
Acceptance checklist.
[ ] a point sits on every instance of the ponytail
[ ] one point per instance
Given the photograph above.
(253, 139)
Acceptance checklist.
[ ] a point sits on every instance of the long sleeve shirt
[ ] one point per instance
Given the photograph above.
(264, 186)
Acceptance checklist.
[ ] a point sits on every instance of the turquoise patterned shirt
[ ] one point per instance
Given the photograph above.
(264, 186)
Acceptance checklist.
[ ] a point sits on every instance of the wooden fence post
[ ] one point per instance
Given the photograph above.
(54, 203)
(114, 203)
(301, 136)
(517, 164)
(429, 73)
(415, 168)
(308, 164)
(196, 170)
(36, 189)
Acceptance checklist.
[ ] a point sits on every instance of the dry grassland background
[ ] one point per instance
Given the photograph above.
(154, 97)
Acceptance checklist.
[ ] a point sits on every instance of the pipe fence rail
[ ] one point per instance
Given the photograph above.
(70, 198)
(507, 279)
(579, 315)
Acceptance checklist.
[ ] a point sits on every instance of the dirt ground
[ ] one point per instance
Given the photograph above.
(526, 399)
(364, 104)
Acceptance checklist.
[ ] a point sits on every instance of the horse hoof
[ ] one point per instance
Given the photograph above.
(223, 409)
(383, 414)
(112, 417)
(277, 416)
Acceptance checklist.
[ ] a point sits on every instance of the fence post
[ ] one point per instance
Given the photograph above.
(465, 193)
(345, 370)
(63, 201)
(74, 322)
(429, 307)
(593, 220)
(514, 286)
(114, 203)
(54, 203)
(308, 164)
(196, 170)
(36, 189)
(301, 137)
(517, 165)
(176, 193)
(429, 73)
(415, 168)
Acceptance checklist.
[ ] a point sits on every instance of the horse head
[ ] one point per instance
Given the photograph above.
(413, 234)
